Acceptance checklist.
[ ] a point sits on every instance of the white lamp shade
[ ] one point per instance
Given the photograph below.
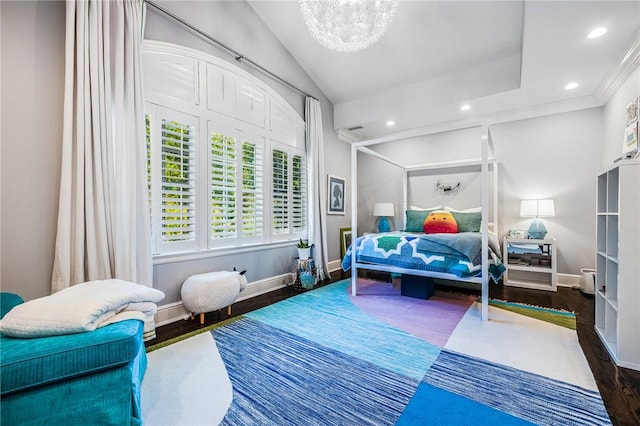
(537, 208)
(546, 208)
(383, 209)
(528, 208)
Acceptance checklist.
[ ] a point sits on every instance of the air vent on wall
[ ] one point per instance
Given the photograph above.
(355, 128)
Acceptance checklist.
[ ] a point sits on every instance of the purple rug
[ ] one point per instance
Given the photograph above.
(433, 319)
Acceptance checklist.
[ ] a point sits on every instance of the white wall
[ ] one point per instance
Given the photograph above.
(615, 116)
(32, 97)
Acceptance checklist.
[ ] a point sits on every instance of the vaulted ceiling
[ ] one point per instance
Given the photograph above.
(505, 59)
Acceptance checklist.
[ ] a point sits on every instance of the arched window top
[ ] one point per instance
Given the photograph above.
(194, 80)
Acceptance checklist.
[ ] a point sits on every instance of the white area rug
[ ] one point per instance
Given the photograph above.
(545, 349)
(186, 383)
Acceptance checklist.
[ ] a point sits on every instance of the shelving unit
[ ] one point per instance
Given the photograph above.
(536, 270)
(617, 292)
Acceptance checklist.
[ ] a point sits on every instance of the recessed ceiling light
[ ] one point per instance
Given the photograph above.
(391, 123)
(465, 107)
(597, 32)
(571, 86)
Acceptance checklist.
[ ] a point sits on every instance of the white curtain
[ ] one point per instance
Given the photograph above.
(318, 189)
(103, 217)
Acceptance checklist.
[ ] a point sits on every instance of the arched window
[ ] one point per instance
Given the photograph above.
(226, 157)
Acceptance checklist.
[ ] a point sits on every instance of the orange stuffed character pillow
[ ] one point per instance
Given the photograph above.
(440, 222)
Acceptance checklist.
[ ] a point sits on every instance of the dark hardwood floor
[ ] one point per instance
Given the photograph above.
(619, 387)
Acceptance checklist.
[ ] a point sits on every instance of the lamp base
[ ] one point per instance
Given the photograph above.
(384, 225)
(537, 229)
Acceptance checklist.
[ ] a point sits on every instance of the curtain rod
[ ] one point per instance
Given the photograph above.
(237, 55)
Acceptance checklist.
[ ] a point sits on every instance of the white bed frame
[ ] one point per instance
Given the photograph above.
(487, 159)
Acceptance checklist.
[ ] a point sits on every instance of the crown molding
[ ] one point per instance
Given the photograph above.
(346, 136)
(628, 64)
(518, 114)
(543, 110)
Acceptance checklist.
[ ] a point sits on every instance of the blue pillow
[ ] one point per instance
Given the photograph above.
(415, 220)
(468, 222)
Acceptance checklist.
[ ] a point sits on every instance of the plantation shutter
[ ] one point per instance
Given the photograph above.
(223, 187)
(177, 182)
(252, 187)
(299, 194)
(280, 192)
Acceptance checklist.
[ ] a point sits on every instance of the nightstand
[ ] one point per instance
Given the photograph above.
(530, 263)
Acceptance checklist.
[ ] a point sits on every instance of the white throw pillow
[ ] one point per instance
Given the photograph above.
(423, 209)
(471, 210)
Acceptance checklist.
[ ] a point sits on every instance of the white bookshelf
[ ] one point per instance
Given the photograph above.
(617, 292)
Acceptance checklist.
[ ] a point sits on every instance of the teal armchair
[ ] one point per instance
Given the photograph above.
(75, 379)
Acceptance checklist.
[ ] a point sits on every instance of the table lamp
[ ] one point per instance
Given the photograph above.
(537, 209)
(383, 210)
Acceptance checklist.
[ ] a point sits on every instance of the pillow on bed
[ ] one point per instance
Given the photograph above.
(440, 222)
(468, 222)
(471, 210)
(428, 208)
(415, 220)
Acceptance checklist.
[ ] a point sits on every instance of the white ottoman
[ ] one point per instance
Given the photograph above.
(212, 291)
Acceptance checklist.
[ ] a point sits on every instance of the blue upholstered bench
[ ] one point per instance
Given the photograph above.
(85, 378)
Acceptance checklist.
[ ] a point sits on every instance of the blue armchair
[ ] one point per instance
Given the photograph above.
(76, 379)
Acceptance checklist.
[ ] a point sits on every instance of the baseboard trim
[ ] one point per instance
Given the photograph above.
(171, 312)
(568, 280)
(334, 265)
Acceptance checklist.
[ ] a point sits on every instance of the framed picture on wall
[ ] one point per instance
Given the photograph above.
(630, 144)
(345, 241)
(335, 193)
(630, 138)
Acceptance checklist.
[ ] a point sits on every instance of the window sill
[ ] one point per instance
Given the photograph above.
(160, 259)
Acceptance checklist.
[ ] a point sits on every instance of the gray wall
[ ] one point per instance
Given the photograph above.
(33, 82)
(32, 97)
(554, 157)
(236, 25)
(550, 157)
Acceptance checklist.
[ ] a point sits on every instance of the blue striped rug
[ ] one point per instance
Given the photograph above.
(315, 359)
(282, 379)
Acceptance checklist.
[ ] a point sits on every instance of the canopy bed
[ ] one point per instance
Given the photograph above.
(421, 245)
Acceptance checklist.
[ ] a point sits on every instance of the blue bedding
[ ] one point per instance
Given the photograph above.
(463, 246)
(456, 254)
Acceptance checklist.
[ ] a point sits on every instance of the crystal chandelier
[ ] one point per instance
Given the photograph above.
(347, 25)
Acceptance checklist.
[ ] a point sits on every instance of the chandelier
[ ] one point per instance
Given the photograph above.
(347, 25)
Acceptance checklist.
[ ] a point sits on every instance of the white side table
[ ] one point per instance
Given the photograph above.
(530, 263)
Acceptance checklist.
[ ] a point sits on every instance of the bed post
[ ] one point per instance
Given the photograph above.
(494, 192)
(485, 223)
(405, 196)
(354, 217)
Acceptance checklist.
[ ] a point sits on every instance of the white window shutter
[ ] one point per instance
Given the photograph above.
(280, 191)
(252, 189)
(299, 195)
(178, 182)
(224, 195)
